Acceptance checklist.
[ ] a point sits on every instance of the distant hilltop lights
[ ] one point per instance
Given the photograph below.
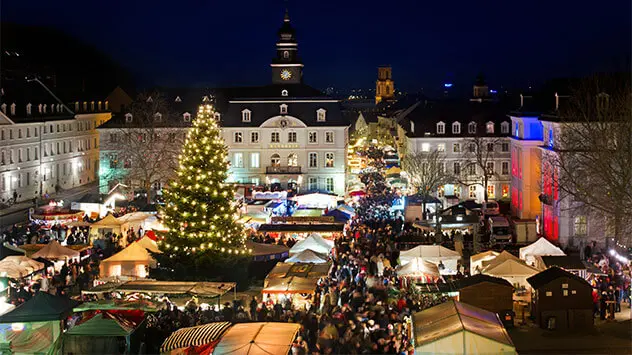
(447, 85)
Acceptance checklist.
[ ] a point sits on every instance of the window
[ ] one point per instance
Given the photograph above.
(457, 168)
(255, 181)
(490, 147)
(471, 169)
(471, 147)
(283, 108)
(28, 154)
(127, 164)
(581, 225)
(254, 137)
(291, 137)
(425, 147)
(29, 109)
(472, 191)
(275, 137)
(505, 191)
(284, 92)
(329, 160)
(113, 137)
(517, 130)
(456, 128)
(19, 155)
(313, 160)
(238, 161)
(489, 127)
(491, 191)
(329, 137)
(329, 182)
(128, 119)
(504, 147)
(440, 128)
(2, 135)
(254, 160)
(186, 117)
(113, 161)
(441, 167)
(321, 115)
(275, 160)
(504, 168)
(490, 167)
(245, 115)
(471, 128)
(456, 148)
(313, 183)
(238, 137)
(36, 154)
(549, 293)
(312, 137)
(441, 147)
(158, 117)
(11, 134)
(28, 132)
(286, 54)
(504, 127)
(292, 160)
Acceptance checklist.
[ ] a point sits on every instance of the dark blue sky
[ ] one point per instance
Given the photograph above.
(221, 43)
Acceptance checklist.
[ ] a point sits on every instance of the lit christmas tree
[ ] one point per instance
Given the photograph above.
(200, 210)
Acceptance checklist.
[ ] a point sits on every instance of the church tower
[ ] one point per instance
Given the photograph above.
(384, 86)
(287, 67)
(481, 90)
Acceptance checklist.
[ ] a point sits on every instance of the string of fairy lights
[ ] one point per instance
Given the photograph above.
(200, 211)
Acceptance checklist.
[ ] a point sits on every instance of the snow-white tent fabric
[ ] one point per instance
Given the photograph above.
(434, 254)
(18, 266)
(109, 223)
(418, 267)
(258, 339)
(476, 260)
(458, 328)
(55, 251)
(131, 261)
(505, 255)
(513, 270)
(149, 244)
(540, 247)
(307, 256)
(315, 243)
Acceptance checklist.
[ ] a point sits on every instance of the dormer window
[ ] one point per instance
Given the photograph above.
(178, 99)
(149, 99)
(91, 105)
(456, 128)
(471, 128)
(603, 101)
(504, 127)
(440, 128)
(76, 106)
(107, 105)
(217, 116)
(489, 127)
(283, 108)
(99, 105)
(246, 115)
(85, 107)
(4, 108)
(158, 117)
(39, 108)
(13, 109)
(321, 115)
(186, 116)
(128, 117)
(284, 92)
(44, 109)
(29, 107)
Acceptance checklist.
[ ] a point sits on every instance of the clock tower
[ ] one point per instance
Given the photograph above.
(287, 67)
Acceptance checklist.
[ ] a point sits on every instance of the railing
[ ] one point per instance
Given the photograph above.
(283, 170)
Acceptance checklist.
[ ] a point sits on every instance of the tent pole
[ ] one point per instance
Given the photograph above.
(235, 293)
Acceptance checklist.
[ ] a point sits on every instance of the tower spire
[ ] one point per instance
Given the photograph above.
(286, 18)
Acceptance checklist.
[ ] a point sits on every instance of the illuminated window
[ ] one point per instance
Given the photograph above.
(549, 293)
(238, 137)
(425, 147)
(491, 191)
(441, 147)
(292, 160)
(505, 191)
(321, 115)
(456, 148)
(581, 225)
(238, 162)
(489, 127)
(254, 160)
(329, 160)
(312, 184)
(472, 191)
(329, 182)
(246, 115)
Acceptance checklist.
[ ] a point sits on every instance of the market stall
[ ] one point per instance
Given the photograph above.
(109, 224)
(54, 214)
(307, 256)
(315, 243)
(263, 252)
(149, 244)
(258, 338)
(104, 333)
(19, 266)
(420, 270)
(540, 247)
(515, 271)
(317, 200)
(36, 325)
(301, 230)
(55, 251)
(435, 254)
(458, 328)
(132, 261)
(476, 260)
(198, 339)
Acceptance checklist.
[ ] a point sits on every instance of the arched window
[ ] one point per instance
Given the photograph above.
(504, 127)
(275, 160)
(292, 160)
(456, 128)
(286, 54)
(471, 128)
(440, 128)
(490, 127)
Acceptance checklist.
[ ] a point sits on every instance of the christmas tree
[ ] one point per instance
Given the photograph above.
(200, 210)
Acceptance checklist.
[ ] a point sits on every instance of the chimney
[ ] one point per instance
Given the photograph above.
(557, 102)
(521, 100)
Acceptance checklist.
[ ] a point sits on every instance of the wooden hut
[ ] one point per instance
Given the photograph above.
(483, 291)
(561, 300)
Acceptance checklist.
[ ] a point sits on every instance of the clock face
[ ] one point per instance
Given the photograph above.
(286, 74)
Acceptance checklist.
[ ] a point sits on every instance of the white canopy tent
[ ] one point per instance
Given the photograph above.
(55, 251)
(540, 247)
(513, 270)
(258, 339)
(307, 256)
(458, 328)
(131, 261)
(435, 254)
(419, 268)
(109, 224)
(476, 260)
(315, 243)
(18, 266)
(317, 200)
(149, 244)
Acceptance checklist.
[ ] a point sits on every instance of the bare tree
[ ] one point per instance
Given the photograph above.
(478, 161)
(427, 172)
(149, 142)
(591, 151)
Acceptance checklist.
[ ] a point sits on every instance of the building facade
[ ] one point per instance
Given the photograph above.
(384, 86)
(458, 128)
(45, 145)
(286, 135)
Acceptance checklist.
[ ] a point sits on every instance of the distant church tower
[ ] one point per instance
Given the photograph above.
(384, 86)
(481, 90)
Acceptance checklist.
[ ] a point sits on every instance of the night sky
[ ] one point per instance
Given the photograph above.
(226, 43)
